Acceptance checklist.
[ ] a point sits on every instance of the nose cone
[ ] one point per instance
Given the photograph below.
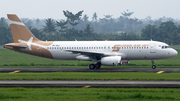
(174, 53)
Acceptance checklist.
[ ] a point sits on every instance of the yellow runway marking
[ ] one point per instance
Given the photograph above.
(86, 86)
(160, 72)
(15, 71)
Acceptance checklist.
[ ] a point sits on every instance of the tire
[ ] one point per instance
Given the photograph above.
(91, 66)
(153, 66)
(97, 66)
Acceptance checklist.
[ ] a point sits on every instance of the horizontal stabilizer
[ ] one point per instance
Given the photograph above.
(18, 46)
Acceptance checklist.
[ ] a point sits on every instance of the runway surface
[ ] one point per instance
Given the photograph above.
(165, 70)
(86, 84)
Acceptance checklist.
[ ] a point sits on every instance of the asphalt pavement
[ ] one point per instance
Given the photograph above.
(87, 84)
(35, 70)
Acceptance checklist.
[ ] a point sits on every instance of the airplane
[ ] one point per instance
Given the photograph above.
(111, 53)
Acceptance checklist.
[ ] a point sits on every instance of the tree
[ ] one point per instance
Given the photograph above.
(50, 26)
(149, 32)
(127, 13)
(174, 38)
(73, 19)
(164, 29)
(3, 22)
(62, 25)
(94, 18)
(88, 30)
(27, 22)
(5, 35)
(37, 33)
(85, 18)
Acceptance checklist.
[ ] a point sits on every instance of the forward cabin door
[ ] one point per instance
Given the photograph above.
(153, 48)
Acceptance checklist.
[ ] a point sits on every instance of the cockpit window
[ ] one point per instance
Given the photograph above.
(164, 47)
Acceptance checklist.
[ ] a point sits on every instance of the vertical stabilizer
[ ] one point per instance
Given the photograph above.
(19, 30)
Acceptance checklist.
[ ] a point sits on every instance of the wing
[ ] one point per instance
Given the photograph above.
(96, 54)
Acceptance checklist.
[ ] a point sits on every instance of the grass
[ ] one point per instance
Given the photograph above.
(91, 76)
(9, 58)
(88, 94)
(174, 45)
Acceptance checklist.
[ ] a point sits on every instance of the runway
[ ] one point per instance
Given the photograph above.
(150, 70)
(87, 84)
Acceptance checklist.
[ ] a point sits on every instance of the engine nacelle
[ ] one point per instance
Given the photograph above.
(111, 60)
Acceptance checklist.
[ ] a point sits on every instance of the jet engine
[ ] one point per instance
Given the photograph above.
(111, 60)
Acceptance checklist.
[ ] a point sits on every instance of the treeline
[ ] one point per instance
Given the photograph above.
(80, 28)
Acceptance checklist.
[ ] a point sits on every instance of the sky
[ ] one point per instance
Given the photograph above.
(44, 9)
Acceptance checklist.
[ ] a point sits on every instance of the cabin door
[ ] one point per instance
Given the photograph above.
(153, 48)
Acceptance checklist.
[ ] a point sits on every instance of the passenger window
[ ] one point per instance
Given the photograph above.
(52, 47)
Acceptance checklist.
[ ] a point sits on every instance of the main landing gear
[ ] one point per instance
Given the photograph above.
(95, 66)
(153, 66)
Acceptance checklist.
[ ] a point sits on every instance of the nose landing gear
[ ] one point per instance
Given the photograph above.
(153, 66)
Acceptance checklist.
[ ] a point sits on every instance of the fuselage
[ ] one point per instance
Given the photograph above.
(129, 50)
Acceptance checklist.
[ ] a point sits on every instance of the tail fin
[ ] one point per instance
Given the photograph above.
(19, 30)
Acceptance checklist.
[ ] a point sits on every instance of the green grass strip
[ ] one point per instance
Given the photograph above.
(89, 94)
(90, 76)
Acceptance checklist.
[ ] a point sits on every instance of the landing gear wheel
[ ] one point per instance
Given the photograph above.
(97, 66)
(91, 66)
(153, 66)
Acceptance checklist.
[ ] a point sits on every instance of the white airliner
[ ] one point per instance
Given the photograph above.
(110, 53)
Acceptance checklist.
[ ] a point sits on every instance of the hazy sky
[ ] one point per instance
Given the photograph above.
(54, 8)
